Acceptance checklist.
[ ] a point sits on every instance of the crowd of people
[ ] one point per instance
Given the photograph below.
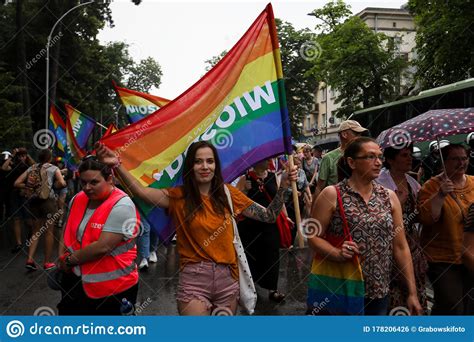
(410, 224)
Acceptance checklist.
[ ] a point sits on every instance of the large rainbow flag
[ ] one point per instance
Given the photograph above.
(56, 125)
(138, 105)
(239, 106)
(81, 125)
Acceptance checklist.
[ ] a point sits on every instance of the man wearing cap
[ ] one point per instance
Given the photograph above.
(348, 130)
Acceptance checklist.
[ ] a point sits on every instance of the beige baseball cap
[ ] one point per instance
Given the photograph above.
(352, 125)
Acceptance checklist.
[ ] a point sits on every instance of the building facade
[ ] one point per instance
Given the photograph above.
(320, 125)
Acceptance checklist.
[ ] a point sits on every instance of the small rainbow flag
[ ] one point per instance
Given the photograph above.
(56, 125)
(239, 106)
(74, 153)
(138, 105)
(81, 125)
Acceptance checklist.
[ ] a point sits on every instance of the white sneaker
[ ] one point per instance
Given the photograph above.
(143, 264)
(153, 258)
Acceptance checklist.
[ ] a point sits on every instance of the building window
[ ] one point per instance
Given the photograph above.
(323, 94)
(308, 123)
(332, 93)
(323, 121)
(394, 24)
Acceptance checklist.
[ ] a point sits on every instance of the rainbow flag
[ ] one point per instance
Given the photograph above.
(81, 124)
(56, 125)
(138, 105)
(239, 106)
(74, 153)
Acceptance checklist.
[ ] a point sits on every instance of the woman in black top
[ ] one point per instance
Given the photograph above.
(261, 240)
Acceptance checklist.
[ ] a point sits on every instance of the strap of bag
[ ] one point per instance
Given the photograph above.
(231, 206)
(345, 225)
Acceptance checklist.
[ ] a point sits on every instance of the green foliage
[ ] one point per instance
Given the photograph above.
(144, 75)
(297, 50)
(360, 64)
(210, 63)
(331, 15)
(12, 133)
(299, 87)
(80, 64)
(444, 41)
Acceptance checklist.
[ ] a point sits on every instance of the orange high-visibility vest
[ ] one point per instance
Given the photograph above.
(114, 272)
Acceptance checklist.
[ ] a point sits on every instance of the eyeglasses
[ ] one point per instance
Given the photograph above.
(371, 158)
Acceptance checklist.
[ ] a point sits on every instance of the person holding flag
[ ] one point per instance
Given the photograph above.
(201, 211)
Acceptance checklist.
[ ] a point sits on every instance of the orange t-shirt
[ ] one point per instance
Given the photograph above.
(442, 240)
(208, 236)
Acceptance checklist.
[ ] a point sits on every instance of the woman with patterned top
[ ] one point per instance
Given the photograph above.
(208, 279)
(394, 176)
(443, 203)
(374, 217)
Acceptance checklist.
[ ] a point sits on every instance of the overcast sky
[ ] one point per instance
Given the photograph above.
(181, 35)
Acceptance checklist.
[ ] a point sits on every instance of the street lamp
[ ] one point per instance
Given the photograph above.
(48, 43)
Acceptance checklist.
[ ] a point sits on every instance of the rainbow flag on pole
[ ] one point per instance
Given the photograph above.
(81, 125)
(56, 125)
(239, 106)
(138, 105)
(74, 153)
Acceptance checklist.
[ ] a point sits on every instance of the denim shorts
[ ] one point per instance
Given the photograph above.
(208, 282)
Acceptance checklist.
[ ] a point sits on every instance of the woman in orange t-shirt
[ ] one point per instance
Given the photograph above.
(443, 202)
(208, 280)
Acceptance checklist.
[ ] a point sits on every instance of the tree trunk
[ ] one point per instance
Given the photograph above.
(25, 111)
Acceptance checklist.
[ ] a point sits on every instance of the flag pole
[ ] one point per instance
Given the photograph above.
(296, 205)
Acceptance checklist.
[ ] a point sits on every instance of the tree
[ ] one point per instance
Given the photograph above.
(332, 14)
(11, 126)
(214, 60)
(296, 50)
(81, 67)
(144, 75)
(363, 66)
(444, 41)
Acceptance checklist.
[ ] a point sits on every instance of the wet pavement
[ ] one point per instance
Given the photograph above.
(23, 292)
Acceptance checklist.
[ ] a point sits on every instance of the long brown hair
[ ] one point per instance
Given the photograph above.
(191, 193)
